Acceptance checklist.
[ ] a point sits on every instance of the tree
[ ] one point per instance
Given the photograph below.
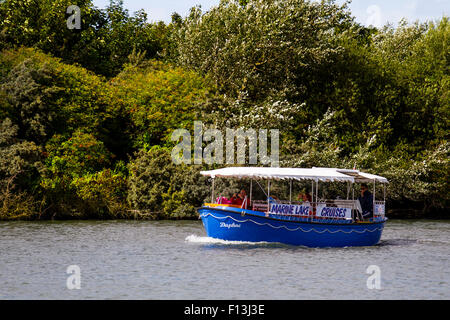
(159, 98)
(31, 99)
(102, 44)
(262, 47)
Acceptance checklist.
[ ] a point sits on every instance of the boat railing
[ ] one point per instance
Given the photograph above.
(226, 202)
(315, 207)
(244, 203)
(260, 205)
(340, 203)
(329, 203)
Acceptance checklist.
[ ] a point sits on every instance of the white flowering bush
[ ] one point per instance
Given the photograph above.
(261, 46)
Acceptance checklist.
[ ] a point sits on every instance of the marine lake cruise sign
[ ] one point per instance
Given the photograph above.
(333, 212)
(303, 210)
(277, 208)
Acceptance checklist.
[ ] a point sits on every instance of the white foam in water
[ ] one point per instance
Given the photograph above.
(208, 240)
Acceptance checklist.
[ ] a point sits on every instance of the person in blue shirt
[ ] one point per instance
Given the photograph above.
(366, 201)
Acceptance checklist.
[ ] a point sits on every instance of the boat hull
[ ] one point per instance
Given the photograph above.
(246, 225)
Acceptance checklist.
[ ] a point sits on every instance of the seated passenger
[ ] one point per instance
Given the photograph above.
(308, 197)
(304, 197)
(223, 200)
(273, 199)
(238, 199)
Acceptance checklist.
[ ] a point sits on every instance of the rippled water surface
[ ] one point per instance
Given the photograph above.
(175, 260)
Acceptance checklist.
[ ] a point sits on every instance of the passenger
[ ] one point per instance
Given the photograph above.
(308, 197)
(238, 199)
(304, 197)
(307, 201)
(235, 199)
(366, 201)
(223, 200)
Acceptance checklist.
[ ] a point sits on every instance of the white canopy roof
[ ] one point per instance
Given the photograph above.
(316, 174)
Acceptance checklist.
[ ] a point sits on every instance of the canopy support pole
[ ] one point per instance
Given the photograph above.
(262, 189)
(317, 190)
(268, 195)
(353, 192)
(212, 193)
(290, 191)
(348, 189)
(353, 199)
(374, 191)
(251, 185)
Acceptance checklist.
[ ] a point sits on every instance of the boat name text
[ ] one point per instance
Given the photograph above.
(229, 225)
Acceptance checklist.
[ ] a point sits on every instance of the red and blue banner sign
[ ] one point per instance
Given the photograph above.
(294, 209)
(333, 212)
(303, 210)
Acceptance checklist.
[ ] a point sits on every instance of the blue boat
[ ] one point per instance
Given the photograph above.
(314, 222)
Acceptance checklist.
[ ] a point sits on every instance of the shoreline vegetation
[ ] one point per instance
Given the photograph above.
(86, 115)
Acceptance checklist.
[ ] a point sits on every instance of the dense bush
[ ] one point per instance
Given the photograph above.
(74, 174)
(262, 47)
(158, 98)
(164, 189)
(20, 163)
(103, 194)
(149, 179)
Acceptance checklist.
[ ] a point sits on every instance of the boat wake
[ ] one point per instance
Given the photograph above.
(208, 240)
(214, 242)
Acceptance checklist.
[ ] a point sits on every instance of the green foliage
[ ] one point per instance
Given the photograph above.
(159, 98)
(86, 115)
(189, 190)
(75, 178)
(17, 205)
(20, 163)
(31, 97)
(262, 47)
(103, 43)
(103, 193)
(166, 190)
(150, 175)
(421, 180)
(415, 100)
(44, 96)
(80, 154)
(19, 160)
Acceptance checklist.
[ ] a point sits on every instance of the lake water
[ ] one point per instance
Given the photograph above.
(175, 260)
